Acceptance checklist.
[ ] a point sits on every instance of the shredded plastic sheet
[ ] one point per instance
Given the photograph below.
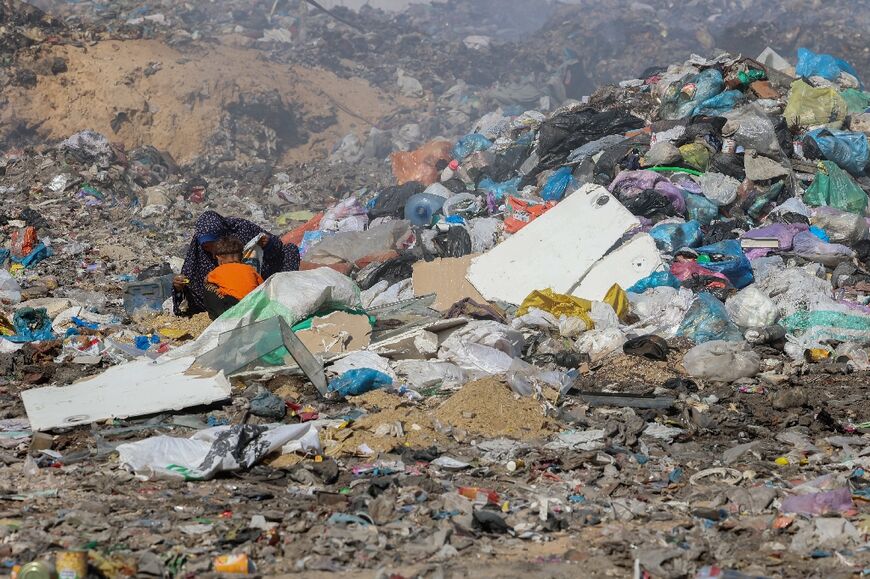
(214, 450)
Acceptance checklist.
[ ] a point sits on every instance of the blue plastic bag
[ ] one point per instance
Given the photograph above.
(721, 103)
(820, 233)
(556, 185)
(500, 190)
(359, 381)
(31, 325)
(824, 65)
(679, 102)
(701, 209)
(670, 237)
(847, 149)
(735, 267)
(470, 144)
(708, 320)
(655, 279)
(38, 253)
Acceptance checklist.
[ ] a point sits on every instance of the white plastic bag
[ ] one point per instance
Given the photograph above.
(421, 374)
(722, 361)
(10, 291)
(600, 343)
(751, 308)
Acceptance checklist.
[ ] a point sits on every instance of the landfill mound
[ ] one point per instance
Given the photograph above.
(625, 335)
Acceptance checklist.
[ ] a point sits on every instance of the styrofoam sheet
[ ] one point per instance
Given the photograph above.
(133, 389)
(634, 260)
(555, 250)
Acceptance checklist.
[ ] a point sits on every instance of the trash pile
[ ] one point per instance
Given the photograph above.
(628, 334)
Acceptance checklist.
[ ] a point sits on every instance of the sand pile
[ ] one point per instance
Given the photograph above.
(485, 407)
(144, 92)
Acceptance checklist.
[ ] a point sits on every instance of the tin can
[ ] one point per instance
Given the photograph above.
(232, 564)
(36, 570)
(729, 146)
(71, 564)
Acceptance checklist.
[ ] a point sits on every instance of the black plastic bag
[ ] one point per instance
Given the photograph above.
(564, 132)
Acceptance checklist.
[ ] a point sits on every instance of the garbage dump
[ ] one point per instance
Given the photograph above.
(504, 327)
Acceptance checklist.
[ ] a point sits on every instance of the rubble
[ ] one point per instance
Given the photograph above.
(541, 325)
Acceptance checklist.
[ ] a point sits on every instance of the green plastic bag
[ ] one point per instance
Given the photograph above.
(808, 106)
(835, 188)
(696, 155)
(857, 101)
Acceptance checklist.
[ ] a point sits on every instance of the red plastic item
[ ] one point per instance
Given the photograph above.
(295, 236)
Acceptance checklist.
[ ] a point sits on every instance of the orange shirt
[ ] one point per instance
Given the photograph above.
(234, 279)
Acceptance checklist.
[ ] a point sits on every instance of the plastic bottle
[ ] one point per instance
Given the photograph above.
(765, 335)
(421, 207)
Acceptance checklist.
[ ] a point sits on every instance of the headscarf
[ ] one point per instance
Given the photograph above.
(198, 262)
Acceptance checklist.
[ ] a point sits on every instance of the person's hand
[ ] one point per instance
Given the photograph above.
(179, 281)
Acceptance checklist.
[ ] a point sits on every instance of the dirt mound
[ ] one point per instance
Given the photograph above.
(216, 101)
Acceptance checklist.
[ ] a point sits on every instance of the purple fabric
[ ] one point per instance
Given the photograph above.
(686, 183)
(783, 232)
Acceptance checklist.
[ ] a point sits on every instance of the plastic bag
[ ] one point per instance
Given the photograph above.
(721, 103)
(847, 149)
(722, 361)
(654, 280)
(423, 374)
(808, 106)
(826, 66)
(695, 155)
(751, 308)
(359, 381)
(520, 213)
(31, 325)
(499, 190)
(347, 215)
(727, 257)
(600, 343)
(682, 97)
(556, 184)
(526, 379)
(391, 201)
(670, 237)
(835, 188)
(470, 144)
(718, 188)
(10, 291)
(841, 226)
(660, 310)
(701, 209)
(809, 246)
(751, 128)
(419, 165)
(575, 125)
(857, 101)
(708, 320)
(214, 450)
(783, 232)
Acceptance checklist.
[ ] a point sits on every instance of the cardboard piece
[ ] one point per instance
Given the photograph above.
(556, 250)
(445, 277)
(337, 333)
(133, 389)
(631, 262)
